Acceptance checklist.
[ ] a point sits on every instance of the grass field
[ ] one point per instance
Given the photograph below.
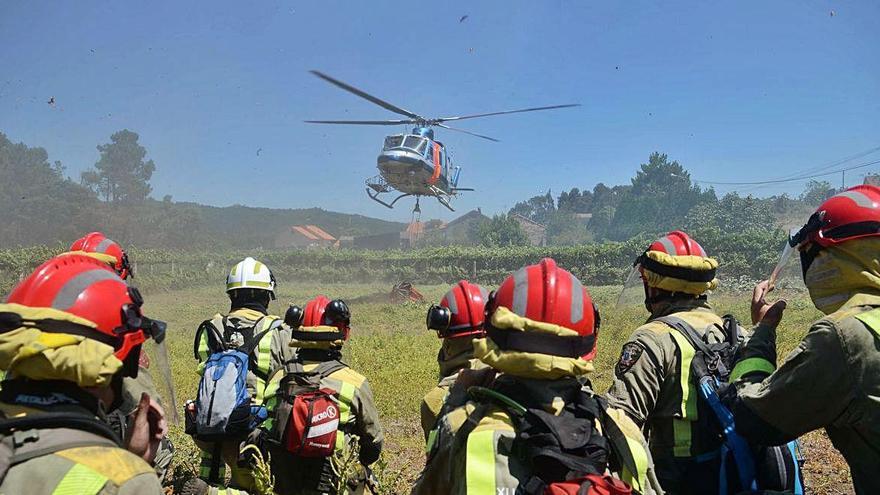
(390, 346)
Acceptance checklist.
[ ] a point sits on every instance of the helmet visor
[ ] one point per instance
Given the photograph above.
(158, 351)
(632, 295)
(787, 271)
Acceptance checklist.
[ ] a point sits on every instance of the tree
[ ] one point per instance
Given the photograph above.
(660, 197)
(816, 192)
(731, 215)
(121, 174)
(537, 209)
(502, 230)
(39, 205)
(576, 201)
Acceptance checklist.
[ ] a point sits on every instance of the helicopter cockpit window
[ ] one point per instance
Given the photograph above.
(415, 143)
(393, 142)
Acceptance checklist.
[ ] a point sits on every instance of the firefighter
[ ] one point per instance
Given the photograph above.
(652, 381)
(541, 328)
(319, 337)
(69, 333)
(458, 319)
(97, 245)
(831, 379)
(250, 286)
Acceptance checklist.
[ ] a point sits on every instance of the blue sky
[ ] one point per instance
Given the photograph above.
(732, 90)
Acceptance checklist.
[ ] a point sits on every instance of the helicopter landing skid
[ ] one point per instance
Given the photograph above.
(375, 197)
(443, 201)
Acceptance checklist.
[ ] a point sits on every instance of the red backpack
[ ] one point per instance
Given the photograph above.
(591, 484)
(307, 416)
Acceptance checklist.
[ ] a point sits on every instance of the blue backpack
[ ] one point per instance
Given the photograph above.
(223, 408)
(744, 466)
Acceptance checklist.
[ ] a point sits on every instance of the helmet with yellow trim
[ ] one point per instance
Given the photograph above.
(460, 313)
(676, 263)
(97, 245)
(77, 296)
(540, 323)
(846, 216)
(838, 248)
(250, 277)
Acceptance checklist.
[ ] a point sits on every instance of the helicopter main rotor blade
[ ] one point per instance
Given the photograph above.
(474, 116)
(382, 103)
(363, 122)
(468, 132)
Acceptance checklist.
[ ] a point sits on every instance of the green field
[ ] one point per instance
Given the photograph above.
(390, 346)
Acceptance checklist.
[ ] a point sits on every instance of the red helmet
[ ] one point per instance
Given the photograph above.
(87, 288)
(546, 293)
(461, 311)
(321, 311)
(96, 242)
(677, 243)
(851, 214)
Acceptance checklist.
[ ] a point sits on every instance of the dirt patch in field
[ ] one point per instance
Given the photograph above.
(825, 471)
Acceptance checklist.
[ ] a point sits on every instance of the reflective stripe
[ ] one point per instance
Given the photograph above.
(681, 427)
(203, 347)
(480, 463)
(750, 365)
(250, 284)
(668, 245)
(432, 439)
(80, 480)
(69, 293)
(264, 357)
(346, 398)
(871, 319)
(271, 402)
(638, 480)
(858, 198)
(205, 467)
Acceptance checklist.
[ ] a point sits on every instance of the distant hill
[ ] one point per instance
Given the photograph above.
(261, 225)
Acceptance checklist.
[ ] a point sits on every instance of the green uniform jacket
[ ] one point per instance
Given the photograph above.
(97, 467)
(482, 464)
(652, 385)
(831, 380)
(358, 425)
(269, 355)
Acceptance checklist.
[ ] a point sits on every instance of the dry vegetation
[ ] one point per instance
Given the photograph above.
(391, 347)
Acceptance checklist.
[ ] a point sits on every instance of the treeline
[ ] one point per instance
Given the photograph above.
(41, 205)
(662, 197)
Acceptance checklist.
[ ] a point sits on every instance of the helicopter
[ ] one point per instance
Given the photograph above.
(414, 164)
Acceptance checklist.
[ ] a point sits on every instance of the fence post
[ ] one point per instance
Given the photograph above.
(474, 272)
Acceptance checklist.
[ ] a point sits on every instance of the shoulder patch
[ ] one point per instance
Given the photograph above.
(629, 355)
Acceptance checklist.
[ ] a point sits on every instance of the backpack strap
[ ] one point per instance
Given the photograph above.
(323, 370)
(327, 368)
(213, 336)
(688, 331)
(703, 365)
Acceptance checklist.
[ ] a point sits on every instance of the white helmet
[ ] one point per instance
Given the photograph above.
(250, 274)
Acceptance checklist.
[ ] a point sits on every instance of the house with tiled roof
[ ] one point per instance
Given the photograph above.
(305, 236)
